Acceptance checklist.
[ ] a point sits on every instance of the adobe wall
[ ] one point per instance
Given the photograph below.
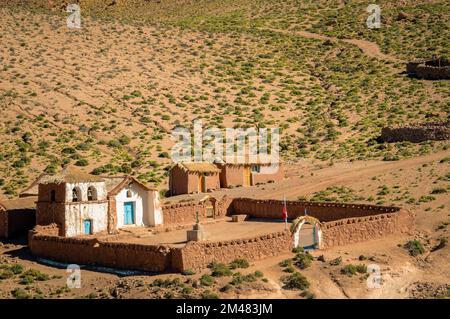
(260, 178)
(46, 243)
(197, 255)
(231, 176)
(417, 133)
(179, 181)
(353, 230)
(183, 182)
(341, 223)
(20, 221)
(3, 224)
(185, 212)
(322, 211)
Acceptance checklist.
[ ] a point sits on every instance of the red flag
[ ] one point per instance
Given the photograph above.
(284, 210)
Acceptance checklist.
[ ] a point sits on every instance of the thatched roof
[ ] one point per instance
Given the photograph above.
(199, 167)
(33, 189)
(70, 175)
(19, 203)
(246, 160)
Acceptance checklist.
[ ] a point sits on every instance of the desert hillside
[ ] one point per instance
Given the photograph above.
(107, 96)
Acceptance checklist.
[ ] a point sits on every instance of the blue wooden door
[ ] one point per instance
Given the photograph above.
(87, 226)
(128, 210)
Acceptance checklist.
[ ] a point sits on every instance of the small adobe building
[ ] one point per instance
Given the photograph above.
(17, 216)
(245, 173)
(83, 204)
(193, 177)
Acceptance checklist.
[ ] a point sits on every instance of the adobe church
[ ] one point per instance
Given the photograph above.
(84, 204)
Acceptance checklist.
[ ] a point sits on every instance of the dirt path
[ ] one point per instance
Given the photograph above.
(370, 49)
(300, 182)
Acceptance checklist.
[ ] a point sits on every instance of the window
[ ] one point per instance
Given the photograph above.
(76, 195)
(128, 194)
(256, 168)
(53, 196)
(92, 193)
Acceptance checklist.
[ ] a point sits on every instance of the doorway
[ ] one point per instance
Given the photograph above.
(87, 227)
(128, 213)
(247, 176)
(202, 183)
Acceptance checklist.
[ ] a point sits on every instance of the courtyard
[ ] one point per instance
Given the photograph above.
(215, 231)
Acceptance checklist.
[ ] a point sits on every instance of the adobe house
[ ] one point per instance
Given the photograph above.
(188, 178)
(17, 216)
(235, 174)
(80, 203)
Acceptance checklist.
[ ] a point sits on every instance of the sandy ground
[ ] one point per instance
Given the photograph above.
(213, 232)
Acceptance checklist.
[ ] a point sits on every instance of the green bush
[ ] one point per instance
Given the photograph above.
(295, 281)
(349, 270)
(415, 247)
(285, 263)
(239, 263)
(35, 274)
(220, 270)
(6, 274)
(361, 268)
(26, 280)
(207, 294)
(19, 293)
(303, 260)
(206, 280)
(16, 269)
(188, 272)
(336, 261)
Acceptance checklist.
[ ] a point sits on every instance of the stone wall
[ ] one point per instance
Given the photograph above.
(428, 70)
(322, 211)
(417, 133)
(353, 230)
(341, 223)
(185, 212)
(46, 243)
(197, 255)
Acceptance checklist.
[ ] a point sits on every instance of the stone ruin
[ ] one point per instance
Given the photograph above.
(436, 68)
(416, 133)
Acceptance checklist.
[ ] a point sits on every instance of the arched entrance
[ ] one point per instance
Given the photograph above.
(316, 236)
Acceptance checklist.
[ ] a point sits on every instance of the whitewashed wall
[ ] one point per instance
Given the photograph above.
(140, 198)
(99, 186)
(76, 213)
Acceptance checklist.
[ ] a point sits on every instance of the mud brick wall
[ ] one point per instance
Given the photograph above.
(3, 224)
(185, 213)
(197, 255)
(353, 230)
(14, 222)
(436, 131)
(266, 178)
(93, 252)
(322, 211)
